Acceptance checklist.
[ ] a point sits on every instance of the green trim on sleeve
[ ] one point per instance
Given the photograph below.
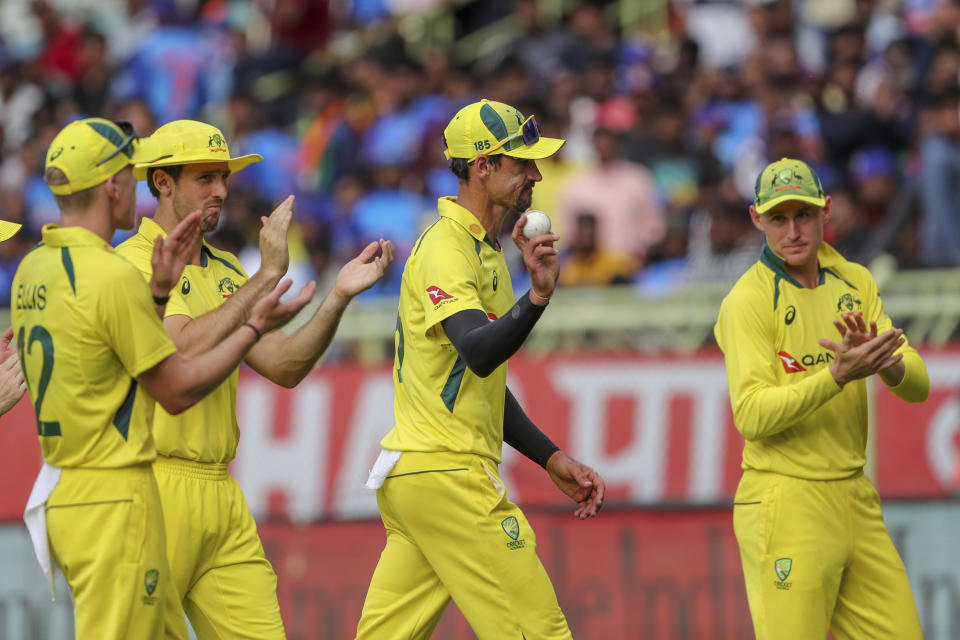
(452, 386)
(122, 420)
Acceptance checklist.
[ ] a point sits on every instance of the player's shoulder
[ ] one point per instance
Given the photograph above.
(754, 286)
(138, 250)
(855, 273)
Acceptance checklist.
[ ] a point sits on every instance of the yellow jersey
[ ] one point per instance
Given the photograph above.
(794, 417)
(85, 329)
(439, 404)
(208, 431)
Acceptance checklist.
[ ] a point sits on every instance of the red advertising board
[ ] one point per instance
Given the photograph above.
(627, 574)
(658, 428)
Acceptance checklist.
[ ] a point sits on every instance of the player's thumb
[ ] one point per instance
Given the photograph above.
(827, 344)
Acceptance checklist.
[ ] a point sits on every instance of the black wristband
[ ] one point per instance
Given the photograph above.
(161, 300)
(255, 330)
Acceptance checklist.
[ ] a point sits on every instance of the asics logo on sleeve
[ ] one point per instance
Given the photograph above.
(790, 364)
(437, 295)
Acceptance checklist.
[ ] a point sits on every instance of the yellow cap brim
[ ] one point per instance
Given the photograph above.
(766, 206)
(236, 164)
(8, 230)
(543, 148)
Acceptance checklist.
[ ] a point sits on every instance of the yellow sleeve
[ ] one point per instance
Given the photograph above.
(448, 284)
(762, 405)
(915, 385)
(137, 252)
(126, 316)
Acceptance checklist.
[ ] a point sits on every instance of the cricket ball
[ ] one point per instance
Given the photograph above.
(538, 223)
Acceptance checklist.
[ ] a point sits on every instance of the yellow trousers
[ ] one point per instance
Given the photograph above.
(106, 532)
(228, 586)
(817, 557)
(452, 532)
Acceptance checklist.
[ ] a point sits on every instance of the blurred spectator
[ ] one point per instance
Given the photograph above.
(873, 171)
(588, 264)
(940, 183)
(620, 193)
(685, 173)
(723, 242)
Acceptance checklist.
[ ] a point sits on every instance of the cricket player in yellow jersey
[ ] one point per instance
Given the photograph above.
(12, 384)
(816, 555)
(452, 532)
(95, 357)
(228, 587)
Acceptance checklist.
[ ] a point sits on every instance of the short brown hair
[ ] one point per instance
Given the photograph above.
(173, 170)
(70, 202)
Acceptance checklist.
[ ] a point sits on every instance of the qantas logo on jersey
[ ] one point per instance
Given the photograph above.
(794, 365)
(438, 295)
(790, 364)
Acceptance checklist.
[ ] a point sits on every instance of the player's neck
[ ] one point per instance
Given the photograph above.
(808, 274)
(489, 215)
(166, 218)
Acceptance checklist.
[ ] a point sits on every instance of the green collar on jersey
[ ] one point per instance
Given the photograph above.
(827, 258)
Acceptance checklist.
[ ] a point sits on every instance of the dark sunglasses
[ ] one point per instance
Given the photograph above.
(131, 135)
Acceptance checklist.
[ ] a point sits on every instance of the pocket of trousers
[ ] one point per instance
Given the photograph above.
(754, 520)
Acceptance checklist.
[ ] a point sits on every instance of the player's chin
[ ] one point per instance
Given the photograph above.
(523, 203)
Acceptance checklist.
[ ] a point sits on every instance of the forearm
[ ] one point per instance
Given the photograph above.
(286, 360)
(520, 433)
(760, 411)
(486, 345)
(178, 383)
(205, 332)
(908, 379)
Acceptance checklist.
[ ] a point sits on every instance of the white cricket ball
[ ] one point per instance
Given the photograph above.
(538, 223)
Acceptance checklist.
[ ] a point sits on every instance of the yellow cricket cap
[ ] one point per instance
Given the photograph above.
(8, 230)
(489, 127)
(787, 179)
(91, 150)
(188, 142)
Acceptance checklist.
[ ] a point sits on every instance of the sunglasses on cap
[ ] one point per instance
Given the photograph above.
(131, 134)
(528, 133)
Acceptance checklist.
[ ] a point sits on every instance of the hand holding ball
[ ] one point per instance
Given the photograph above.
(538, 223)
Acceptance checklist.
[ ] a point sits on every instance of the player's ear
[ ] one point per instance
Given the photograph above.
(827, 209)
(162, 181)
(755, 218)
(110, 187)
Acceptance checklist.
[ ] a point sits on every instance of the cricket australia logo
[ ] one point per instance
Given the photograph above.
(782, 568)
(512, 528)
(785, 176)
(227, 287)
(217, 143)
(847, 301)
(150, 580)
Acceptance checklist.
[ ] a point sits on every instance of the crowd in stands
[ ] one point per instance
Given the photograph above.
(668, 119)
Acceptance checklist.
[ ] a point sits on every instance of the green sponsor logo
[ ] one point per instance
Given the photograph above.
(782, 566)
(511, 527)
(185, 287)
(150, 581)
